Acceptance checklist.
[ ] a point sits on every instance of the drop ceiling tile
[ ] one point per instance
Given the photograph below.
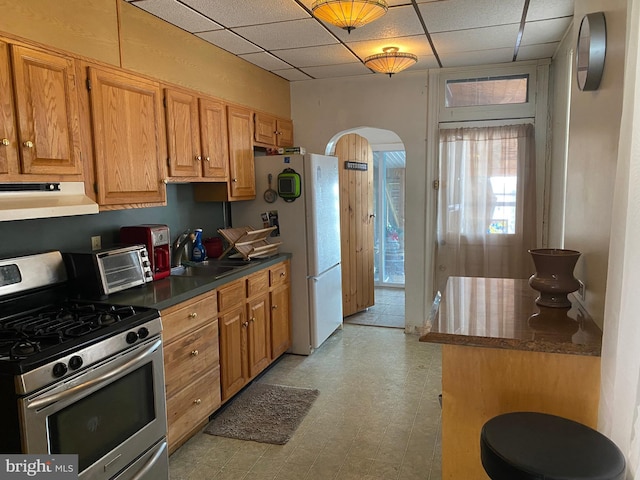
(229, 41)
(179, 15)
(416, 44)
(344, 70)
(482, 57)
(293, 34)
(545, 31)
(315, 56)
(265, 60)
(488, 38)
(425, 62)
(534, 52)
(292, 74)
(397, 22)
(236, 13)
(543, 9)
(464, 14)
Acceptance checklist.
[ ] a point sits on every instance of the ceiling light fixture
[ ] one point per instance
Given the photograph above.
(349, 14)
(391, 61)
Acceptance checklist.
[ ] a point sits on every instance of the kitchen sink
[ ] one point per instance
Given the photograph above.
(210, 268)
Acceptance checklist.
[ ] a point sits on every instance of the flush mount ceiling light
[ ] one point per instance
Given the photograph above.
(349, 14)
(391, 61)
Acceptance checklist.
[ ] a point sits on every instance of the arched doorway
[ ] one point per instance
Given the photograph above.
(386, 210)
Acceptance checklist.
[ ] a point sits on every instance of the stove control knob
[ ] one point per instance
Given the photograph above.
(75, 362)
(59, 369)
(132, 337)
(143, 332)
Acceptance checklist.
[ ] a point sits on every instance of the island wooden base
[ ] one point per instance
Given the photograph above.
(480, 383)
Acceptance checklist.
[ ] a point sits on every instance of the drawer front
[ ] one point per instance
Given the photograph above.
(190, 357)
(258, 283)
(279, 274)
(231, 295)
(186, 316)
(192, 406)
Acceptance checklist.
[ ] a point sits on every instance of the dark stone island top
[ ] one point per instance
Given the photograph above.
(502, 313)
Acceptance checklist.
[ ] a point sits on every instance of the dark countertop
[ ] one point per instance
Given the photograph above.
(502, 313)
(176, 289)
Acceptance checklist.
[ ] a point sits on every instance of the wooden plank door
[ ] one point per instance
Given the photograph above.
(356, 224)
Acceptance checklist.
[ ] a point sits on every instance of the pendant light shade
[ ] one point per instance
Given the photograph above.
(391, 61)
(349, 14)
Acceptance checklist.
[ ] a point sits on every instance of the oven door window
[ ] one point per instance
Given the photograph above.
(98, 423)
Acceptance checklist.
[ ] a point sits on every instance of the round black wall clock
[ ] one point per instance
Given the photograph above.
(591, 50)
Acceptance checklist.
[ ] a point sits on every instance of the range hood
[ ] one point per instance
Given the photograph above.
(22, 201)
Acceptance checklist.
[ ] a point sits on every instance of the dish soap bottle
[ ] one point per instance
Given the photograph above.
(198, 252)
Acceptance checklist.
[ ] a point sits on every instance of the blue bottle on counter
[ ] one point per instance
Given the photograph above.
(198, 253)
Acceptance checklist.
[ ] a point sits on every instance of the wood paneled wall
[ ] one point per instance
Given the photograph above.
(356, 224)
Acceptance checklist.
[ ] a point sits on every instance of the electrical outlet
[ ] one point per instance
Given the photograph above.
(96, 243)
(581, 290)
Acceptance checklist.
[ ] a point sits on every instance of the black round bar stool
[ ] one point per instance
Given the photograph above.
(538, 446)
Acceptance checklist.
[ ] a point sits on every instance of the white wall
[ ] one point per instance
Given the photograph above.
(594, 130)
(322, 108)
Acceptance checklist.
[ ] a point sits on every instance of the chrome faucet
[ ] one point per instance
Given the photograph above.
(180, 251)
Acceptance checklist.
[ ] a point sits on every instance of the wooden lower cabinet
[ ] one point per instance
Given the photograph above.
(247, 320)
(192, 368)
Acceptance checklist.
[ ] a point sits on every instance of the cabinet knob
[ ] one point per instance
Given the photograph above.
(235, 180)
(252, 319)
(273, 307)
(28, 144)
(207, 159)
(6, 142)
(245, 324)
(195, 353)
(198, 158)
(197, 401)
(282, 274)
(193, 315)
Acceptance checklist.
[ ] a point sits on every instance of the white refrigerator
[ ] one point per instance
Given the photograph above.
(309, 228)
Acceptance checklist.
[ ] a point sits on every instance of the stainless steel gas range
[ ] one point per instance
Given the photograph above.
(79, 377)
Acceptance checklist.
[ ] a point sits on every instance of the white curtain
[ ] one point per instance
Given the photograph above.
(486, 202)
(619, 416)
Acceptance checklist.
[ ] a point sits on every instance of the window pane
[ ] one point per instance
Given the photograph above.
(503, 90)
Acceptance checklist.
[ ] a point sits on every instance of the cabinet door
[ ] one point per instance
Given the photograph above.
(183, 134)
(214, 140)
(8, 134)
(47, 111)
(265, 128)
(242, 184)
(126, 115)
(284, 135)
(233, 358)
(280, 321)
(259, 342)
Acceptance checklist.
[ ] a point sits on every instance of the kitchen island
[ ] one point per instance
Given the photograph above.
(501, 353)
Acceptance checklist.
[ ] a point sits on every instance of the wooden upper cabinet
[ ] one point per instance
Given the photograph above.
(47, 120)
(265, 128)
(126, 115)
(8, 133)
(196, 136)
(183, 134)
(242, 181)
(273, 131)
(214, 139)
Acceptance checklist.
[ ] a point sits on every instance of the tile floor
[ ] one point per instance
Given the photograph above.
(388, 310)
(377, 416)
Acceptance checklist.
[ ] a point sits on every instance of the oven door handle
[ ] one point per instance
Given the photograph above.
(49, 399)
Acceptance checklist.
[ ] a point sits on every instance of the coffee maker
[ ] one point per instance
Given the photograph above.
(156, 239)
